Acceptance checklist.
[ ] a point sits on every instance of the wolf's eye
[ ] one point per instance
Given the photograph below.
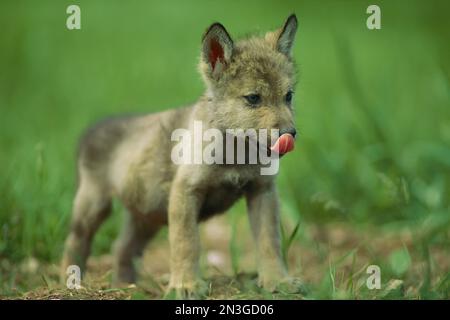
(288, 97)
(253, 99)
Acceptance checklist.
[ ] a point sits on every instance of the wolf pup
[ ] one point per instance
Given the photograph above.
(249, 84)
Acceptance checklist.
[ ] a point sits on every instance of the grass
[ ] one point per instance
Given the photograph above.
(369, 182)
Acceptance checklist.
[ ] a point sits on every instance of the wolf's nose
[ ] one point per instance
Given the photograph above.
(291, 131)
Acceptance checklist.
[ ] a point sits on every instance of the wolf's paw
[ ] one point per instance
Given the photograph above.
(289, 285)
(192, 290)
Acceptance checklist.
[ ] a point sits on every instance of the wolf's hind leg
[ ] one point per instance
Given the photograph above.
(130, 246)
(91, 207)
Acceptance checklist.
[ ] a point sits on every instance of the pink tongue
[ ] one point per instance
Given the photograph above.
(284, 144)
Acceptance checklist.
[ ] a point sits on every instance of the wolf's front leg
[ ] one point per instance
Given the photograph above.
(184, 205)
(263, 211)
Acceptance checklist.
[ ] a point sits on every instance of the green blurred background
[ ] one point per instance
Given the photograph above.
(373, 106)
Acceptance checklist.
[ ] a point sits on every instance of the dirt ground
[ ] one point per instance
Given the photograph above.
(331, 259)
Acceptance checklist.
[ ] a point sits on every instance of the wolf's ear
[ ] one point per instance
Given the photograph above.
(286, 38)
(217, 49)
